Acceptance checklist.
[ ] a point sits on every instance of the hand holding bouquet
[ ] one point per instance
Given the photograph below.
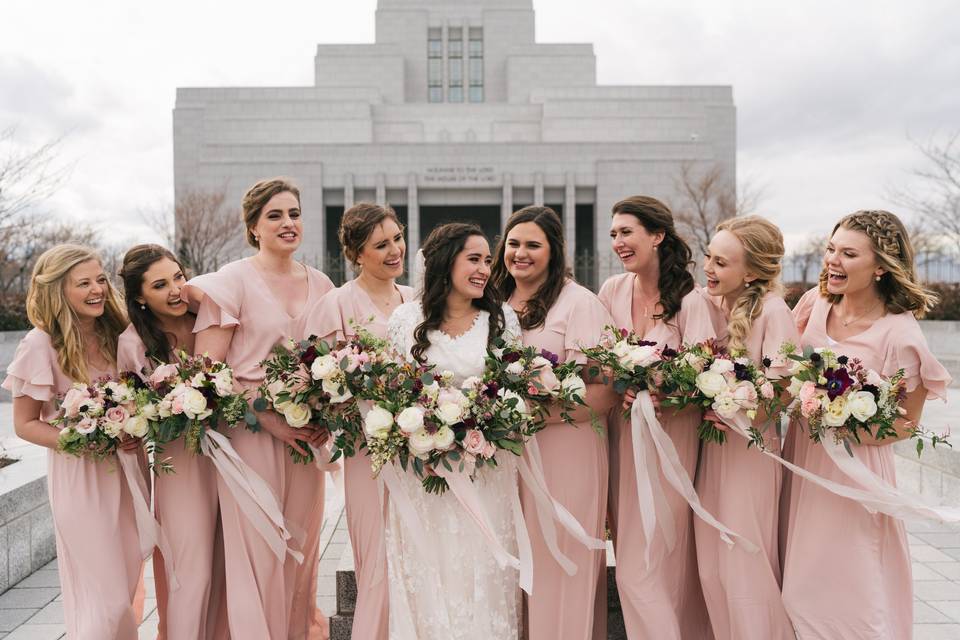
(187, 397)
(625, 357)
(94, 418)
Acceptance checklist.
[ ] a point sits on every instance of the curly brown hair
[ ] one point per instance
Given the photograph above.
(535, 313)
(440, 250)
(899, 286)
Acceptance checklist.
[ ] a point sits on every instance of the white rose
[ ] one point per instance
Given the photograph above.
(506, 394)
(725, 405)
(111, 428)
(149, 411)
(420, 443)
(296, 415)
(136, 425)
(337, 389)
(574, 387)
(539, 362)
(410, 420)
(642, 356)
(195, 405)
(449, 412)
(198, 379)
(324, 367)
(223, 382)
(164, 409)
(836, 413)
(722, 365)
(862, 405)
(443, 438)
(515, 368)
(378, 422)
(794, 388)
(711, 383)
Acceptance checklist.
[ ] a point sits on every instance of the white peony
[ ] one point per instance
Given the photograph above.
(449, 412)
(136, 426)
(111, 428)
(377, 422)
(195, 405)
(223, 382)
(420, 443)
(337, 389)
(324, 367)
(642, 356)
(862, 405)
(515, 368)
(149, 411)
(725, 405)
(722, 365)
(506, 394)
(296, 415)
(443, 438)
(574, 387)
(836, 413)
(410, 420)
(711, 383)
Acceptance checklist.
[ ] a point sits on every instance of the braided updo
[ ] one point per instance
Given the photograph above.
(899, 286)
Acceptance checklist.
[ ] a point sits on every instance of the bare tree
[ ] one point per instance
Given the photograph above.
(706, 197)
(26, 177)
(26, 244)
(808, 257)
(935, 196)
(200, 228)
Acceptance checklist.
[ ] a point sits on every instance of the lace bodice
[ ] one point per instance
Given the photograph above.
(463, 355)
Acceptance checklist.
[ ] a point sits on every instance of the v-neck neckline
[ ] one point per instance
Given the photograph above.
(826, 317)
(380, 315)
(266, 286)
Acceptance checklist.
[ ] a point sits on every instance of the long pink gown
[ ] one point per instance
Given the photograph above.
(330, 319)
(187, 507)
(575, 467)
(847, 572)
(266, 598)
(98, 549)
(741, 487)
(662, 601)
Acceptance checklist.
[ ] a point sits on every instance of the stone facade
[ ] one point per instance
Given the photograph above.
(455, 112)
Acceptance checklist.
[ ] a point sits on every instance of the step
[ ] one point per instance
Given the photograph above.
(342, 622)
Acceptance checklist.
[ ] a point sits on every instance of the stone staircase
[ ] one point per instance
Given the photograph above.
(342, 621)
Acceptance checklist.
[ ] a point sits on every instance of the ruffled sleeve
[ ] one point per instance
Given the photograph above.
(907, 349)
(400, 327)
(32, 371)
(131, 352)
(700, 319)
(778, 328)
(585, 321)
(803, 309)
(220, 298)
(325, 318)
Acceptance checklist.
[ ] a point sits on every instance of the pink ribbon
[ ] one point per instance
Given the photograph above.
(644, 417)
(253, 495)
(149, 531)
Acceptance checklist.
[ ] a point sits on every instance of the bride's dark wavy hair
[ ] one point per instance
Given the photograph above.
(674, 254)
(440, 251)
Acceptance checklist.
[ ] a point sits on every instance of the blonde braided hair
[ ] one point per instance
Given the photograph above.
(763, 252)
(899, 287)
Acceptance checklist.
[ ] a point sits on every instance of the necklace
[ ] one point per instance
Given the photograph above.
(860, 316)
(379, 300)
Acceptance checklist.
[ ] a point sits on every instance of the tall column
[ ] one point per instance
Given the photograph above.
(570, 218)
(347, 203)
(506, 205)
(381, 189)
(413, 224)
(538, 189)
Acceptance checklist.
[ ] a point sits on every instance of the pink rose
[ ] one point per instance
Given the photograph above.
(489, 450)
(116, 414)
(474, 442)
(745, 395)
(162, 373)
(532, 390)
(176, 407)
(810, 406)
(807, 391)
(86, 426)
(767, 390)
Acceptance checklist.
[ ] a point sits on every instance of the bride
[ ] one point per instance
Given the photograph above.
(449, 585)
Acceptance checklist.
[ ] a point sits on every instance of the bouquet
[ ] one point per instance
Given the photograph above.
(704, 375)
(185, 398)
(307, 383)
(93, 418)
(840, 397)
(625, 357)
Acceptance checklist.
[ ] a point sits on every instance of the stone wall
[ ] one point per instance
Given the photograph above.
(26, 524)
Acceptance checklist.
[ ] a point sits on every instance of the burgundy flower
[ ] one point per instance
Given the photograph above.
(838, 381)
(669, 352)
(492, 389)
(552, 357)
(741, 371)
(309, 355)
(511, 356)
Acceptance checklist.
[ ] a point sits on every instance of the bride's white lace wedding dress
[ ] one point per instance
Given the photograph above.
(450, 586)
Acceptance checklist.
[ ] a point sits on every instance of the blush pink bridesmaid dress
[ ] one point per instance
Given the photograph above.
(847, 572)
(741, 487)
(662, 600)
(575, 467)
(187, 507)
(266, 597)
(98, 548)
(330, 319)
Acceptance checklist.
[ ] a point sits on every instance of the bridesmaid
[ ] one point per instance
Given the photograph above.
(185, 501)
(77, 318)
(656, 298)
(847, 572)
(245, 309)
(739, 485)
(371, 238)
(559, 315)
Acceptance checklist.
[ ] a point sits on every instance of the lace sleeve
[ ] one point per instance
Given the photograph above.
(511, 331)
(400, 328)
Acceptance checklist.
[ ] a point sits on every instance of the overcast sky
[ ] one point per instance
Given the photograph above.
(827, 91)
